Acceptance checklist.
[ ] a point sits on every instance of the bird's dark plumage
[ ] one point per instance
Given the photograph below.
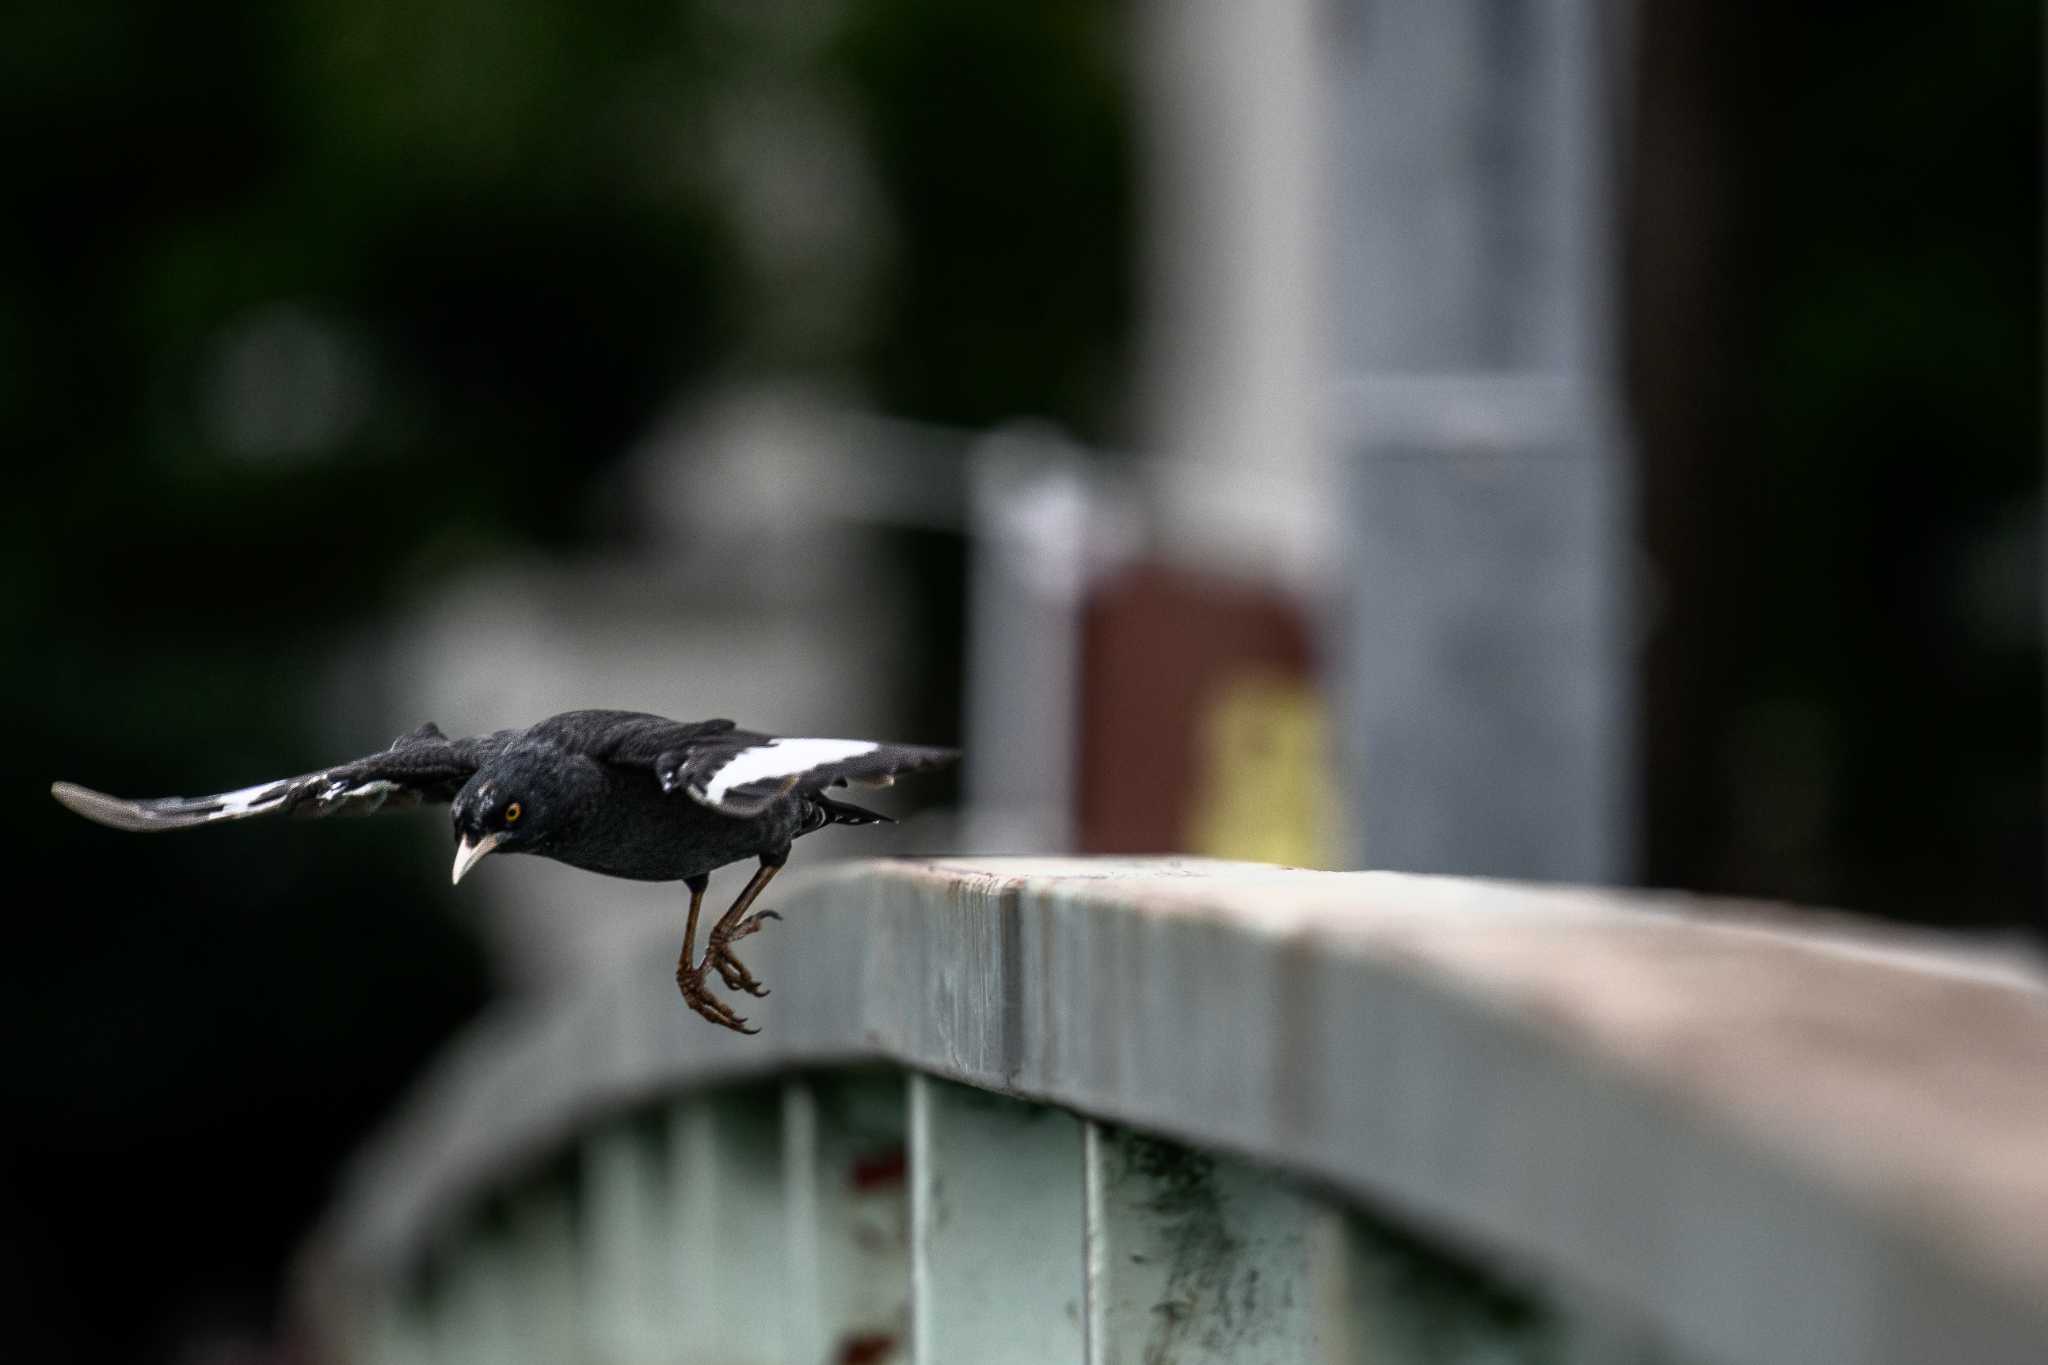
(618, 792)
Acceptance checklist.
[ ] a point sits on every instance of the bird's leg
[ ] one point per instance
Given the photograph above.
(698, 886)
(690, 973)
(734, 924)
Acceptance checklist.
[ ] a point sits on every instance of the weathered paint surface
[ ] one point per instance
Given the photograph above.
(996, 1229)
(1195, 1259)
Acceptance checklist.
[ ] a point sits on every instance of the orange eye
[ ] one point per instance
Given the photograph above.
(512, 813)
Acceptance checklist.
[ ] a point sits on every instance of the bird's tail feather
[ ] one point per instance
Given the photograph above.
(846, 813)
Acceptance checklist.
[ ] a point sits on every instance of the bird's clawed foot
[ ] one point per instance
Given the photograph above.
(735, 972)
(699, 998)
(718, 957)
(733, 925)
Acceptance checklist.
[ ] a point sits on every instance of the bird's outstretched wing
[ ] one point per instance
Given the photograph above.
(629, 739)
(741, 774)
(424, 766)
(734, 771)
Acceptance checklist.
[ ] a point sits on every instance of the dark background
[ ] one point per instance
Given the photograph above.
(1833, 308)
(1832, 305)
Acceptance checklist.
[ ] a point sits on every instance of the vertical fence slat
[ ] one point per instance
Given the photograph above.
(1195, 1258)
(848, 1211)
(624, 1250)
(996, 1228)
(726, 1206)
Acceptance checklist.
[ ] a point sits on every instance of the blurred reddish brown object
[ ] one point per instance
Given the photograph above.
(1167, 656)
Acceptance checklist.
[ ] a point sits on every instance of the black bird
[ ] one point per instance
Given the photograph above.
(618, 792)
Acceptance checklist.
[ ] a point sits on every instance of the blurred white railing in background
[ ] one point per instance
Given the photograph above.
(1087, 1110)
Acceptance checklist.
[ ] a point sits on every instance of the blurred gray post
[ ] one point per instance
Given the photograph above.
(1029, 515)
(1484, 672)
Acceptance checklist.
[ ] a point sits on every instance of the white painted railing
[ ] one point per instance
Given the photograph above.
(1019, 1110)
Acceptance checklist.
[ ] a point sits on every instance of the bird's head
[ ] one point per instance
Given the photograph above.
(515, 805)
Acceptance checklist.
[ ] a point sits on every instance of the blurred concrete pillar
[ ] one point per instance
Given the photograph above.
(1233, 354)
(1484, 672)
(1204, 706)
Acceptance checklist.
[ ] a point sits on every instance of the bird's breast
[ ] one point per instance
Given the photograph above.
(643, 834)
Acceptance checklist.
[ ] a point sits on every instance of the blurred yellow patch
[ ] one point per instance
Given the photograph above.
(1265, 789)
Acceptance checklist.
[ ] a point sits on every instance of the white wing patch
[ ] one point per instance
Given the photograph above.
(363, 799)
(250, 800)
(782, 758)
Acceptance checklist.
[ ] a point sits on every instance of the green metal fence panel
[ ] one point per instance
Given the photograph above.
(625, 1248)
(1086, 1099)
(1201, 1260)
(729, 1223)
(996, 1210)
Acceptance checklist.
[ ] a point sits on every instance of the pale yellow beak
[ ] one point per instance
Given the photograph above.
(468, 855)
